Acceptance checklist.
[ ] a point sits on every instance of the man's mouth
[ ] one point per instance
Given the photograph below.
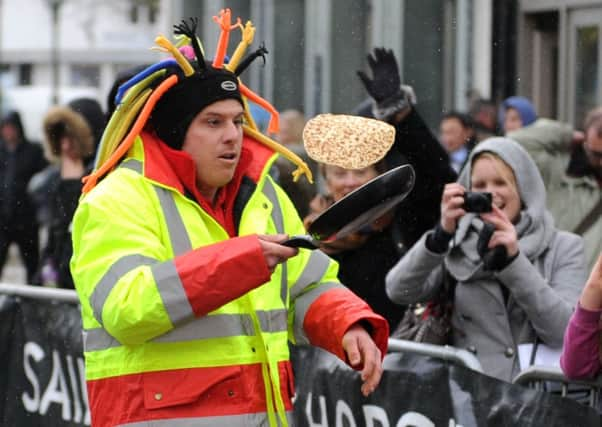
(228, 156)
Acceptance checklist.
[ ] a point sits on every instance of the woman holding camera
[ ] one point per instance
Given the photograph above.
(517, 276)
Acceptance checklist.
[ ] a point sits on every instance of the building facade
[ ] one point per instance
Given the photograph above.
(449, 50)
(559, 51)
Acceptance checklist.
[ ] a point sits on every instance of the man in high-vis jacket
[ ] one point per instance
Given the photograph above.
(188, 297)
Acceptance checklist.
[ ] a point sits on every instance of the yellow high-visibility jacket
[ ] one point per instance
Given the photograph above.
(185, 325)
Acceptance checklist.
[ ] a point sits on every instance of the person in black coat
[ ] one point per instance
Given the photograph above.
(366, 257)
(19, 161)
(68, 143)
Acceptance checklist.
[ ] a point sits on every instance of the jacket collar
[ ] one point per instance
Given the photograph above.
(176, 169)
(161, 161)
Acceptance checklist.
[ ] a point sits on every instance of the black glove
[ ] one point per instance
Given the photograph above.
(385, 87)
(386, 81)
(496, 258)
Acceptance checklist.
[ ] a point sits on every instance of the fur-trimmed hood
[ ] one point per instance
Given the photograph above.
(63, 121)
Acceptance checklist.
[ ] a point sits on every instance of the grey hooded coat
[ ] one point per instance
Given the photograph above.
(543, 282)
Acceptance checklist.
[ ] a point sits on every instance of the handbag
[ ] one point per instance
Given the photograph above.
(431, 322)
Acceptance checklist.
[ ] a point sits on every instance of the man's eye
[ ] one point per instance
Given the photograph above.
(239, 122)
(213, 122)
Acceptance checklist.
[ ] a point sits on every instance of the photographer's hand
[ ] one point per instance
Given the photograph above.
(451, 206)
(505, 233)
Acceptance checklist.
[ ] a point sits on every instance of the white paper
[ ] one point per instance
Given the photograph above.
(545, 355)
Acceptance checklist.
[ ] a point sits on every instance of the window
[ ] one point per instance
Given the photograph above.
(85, 75)
(25, 74)
(139, 7)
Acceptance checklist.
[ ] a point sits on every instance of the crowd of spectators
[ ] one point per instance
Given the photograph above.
(530, 270)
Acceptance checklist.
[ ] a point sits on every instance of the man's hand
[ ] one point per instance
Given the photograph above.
(273, 252)
(362, 351)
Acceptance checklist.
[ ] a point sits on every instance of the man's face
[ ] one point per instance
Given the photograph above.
(9, 133)
(214, 141)
(453, 134)
(593, 150)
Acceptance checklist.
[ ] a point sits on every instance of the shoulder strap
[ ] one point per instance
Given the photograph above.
(589, 219)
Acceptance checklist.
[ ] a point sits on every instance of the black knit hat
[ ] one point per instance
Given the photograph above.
(176, 109)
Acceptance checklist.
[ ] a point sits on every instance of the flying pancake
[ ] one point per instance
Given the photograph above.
(351, 142)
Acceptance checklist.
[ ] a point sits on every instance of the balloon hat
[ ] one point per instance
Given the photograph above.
(166, 94)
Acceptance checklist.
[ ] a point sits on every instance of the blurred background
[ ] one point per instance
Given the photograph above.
(451, 51)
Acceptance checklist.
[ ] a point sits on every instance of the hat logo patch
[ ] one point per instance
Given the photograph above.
(228, 85)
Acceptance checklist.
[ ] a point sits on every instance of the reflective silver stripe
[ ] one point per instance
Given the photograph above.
(110, 279)
(98, 339)
(273, 320)
(270, 192)
(210, 326)
(166, 276)
(178, 236)
(172, 292)
(133, 164)
(302, 304)
(180, 241)
(314, 270)
(246, 420)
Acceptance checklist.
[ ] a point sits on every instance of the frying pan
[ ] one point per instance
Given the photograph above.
(362, 206)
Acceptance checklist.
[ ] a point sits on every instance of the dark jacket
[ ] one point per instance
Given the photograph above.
(363, 269)
(16, 169)
(60, 194)
(63, 197)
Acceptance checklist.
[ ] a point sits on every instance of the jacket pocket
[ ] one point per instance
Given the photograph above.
(287, 381)
(164, 389)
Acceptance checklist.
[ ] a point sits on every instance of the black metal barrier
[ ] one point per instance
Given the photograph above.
(42, 382)
(552, 380)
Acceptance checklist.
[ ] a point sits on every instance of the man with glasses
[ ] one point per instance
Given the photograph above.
(571, 165)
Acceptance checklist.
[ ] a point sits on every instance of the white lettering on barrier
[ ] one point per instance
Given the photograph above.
(343, 412)
(414, 419)
(311, 422)
(57, 390)
(373, 416)
(31, 349)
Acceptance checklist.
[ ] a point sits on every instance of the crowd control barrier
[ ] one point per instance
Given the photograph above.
(551, 379)
(39, 292)
(450, 354)
(41, 343)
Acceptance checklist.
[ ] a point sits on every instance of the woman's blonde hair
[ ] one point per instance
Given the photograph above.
(501, 167)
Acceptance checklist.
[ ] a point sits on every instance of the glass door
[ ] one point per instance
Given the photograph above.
(585, 71)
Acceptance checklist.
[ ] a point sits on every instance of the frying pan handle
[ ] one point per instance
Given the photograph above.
(301, 241)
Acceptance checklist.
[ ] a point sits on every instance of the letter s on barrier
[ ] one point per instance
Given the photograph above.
(31, 349)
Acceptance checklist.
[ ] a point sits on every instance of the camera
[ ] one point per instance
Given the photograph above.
(477, 202)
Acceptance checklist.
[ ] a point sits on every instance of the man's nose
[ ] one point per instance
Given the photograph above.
(232, 131)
